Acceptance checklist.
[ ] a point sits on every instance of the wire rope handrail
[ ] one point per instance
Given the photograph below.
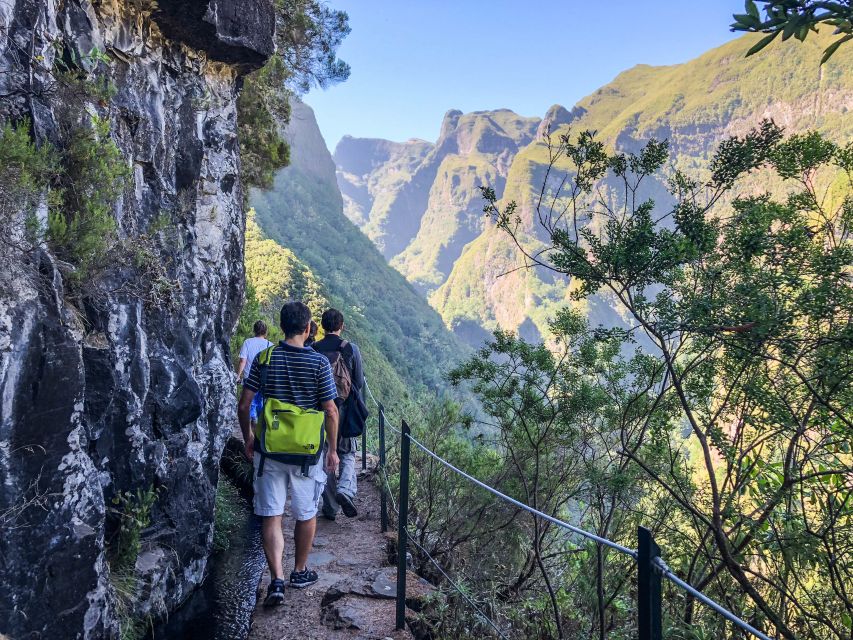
(388, 487)
(379, 406)
(659, 566)
(667, 573)
(370, 393)
(435, 562)
(459, 589)
(521, 505)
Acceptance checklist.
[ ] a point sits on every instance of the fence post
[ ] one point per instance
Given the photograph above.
(383, 496)
(649, 617)
(402, 533)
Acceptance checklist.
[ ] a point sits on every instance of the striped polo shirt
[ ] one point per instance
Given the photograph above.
(299, 376)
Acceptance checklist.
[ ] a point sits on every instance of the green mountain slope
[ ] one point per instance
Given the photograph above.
(423, 214)
(405, 344)
(380, 183)
(694, 105)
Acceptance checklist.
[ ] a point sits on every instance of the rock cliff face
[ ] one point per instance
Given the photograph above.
(382, 184)
(420, 202)
(118, 394)
(405, 345)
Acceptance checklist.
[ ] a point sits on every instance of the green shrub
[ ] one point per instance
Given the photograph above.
(263, 106)
(228, 514)
(133, 513)
(94, 174)
(26, 171)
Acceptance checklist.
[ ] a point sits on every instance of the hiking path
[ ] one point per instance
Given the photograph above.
(354, 597)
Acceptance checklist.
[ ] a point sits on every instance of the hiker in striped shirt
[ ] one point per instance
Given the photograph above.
(300, 376)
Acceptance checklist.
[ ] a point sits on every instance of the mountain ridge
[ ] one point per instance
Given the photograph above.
(472, 273)
(381, 190)
(407, 348)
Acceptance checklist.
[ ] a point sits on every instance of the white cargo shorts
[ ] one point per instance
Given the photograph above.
(278, 479)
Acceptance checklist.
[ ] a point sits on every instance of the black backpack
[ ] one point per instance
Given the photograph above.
(355, 416)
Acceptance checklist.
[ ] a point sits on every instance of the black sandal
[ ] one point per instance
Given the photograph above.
(275, 593)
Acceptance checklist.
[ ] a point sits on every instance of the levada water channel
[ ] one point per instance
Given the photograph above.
(221, 608)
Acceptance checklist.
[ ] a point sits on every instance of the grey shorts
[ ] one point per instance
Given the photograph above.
(272, 487)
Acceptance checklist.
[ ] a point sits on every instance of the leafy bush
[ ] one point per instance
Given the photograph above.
(132, 509)
(132, 513)
(229, 514)
(308, 34)
(94, 175)
(63, 194)
(26, 173)
(263, 107)
(744, 303)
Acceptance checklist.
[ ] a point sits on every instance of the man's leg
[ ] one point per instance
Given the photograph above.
(273, 541)
(346, 488)
(303, 535)
(331, 508)
(348, 483)
(305, 495)
(270, 497)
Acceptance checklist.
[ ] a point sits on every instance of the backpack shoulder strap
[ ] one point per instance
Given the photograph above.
(263, 363)
(348, 354)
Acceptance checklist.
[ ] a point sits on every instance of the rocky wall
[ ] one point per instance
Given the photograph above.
(121, 391)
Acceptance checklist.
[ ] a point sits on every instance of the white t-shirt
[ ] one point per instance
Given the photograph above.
(251, 348)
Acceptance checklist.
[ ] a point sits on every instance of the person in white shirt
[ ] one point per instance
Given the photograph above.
(250, 349)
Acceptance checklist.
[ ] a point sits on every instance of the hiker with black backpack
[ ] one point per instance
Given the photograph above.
(348, 372)
(287, 445)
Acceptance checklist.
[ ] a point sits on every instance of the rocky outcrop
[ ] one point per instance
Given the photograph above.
(420, 203)
(382, 183)
(556, 117)
(119, 393)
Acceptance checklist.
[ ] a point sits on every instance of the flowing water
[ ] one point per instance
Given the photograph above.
(221, 608)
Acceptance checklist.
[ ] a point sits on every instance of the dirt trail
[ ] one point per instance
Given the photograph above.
(355, 595)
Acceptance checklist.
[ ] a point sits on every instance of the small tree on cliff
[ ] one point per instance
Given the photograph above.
(308, 34)
(747, 303)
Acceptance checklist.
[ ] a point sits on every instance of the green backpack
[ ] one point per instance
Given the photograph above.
(287, 433)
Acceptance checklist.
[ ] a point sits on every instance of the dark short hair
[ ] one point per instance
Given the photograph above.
(312, 331)
(295, 316)
(332, 320)
(260, 328)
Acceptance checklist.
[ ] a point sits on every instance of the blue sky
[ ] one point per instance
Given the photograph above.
(412, 60)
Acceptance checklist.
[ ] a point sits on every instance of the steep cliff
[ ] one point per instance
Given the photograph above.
(472, 271)
(404, 343)
(114, 398)
(420, 202)
(382, 184)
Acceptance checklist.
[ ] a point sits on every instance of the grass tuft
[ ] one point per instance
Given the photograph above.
(228, 514)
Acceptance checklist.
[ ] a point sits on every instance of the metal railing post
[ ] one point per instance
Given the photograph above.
(383, 496)
(402, 534)
(649, 617)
